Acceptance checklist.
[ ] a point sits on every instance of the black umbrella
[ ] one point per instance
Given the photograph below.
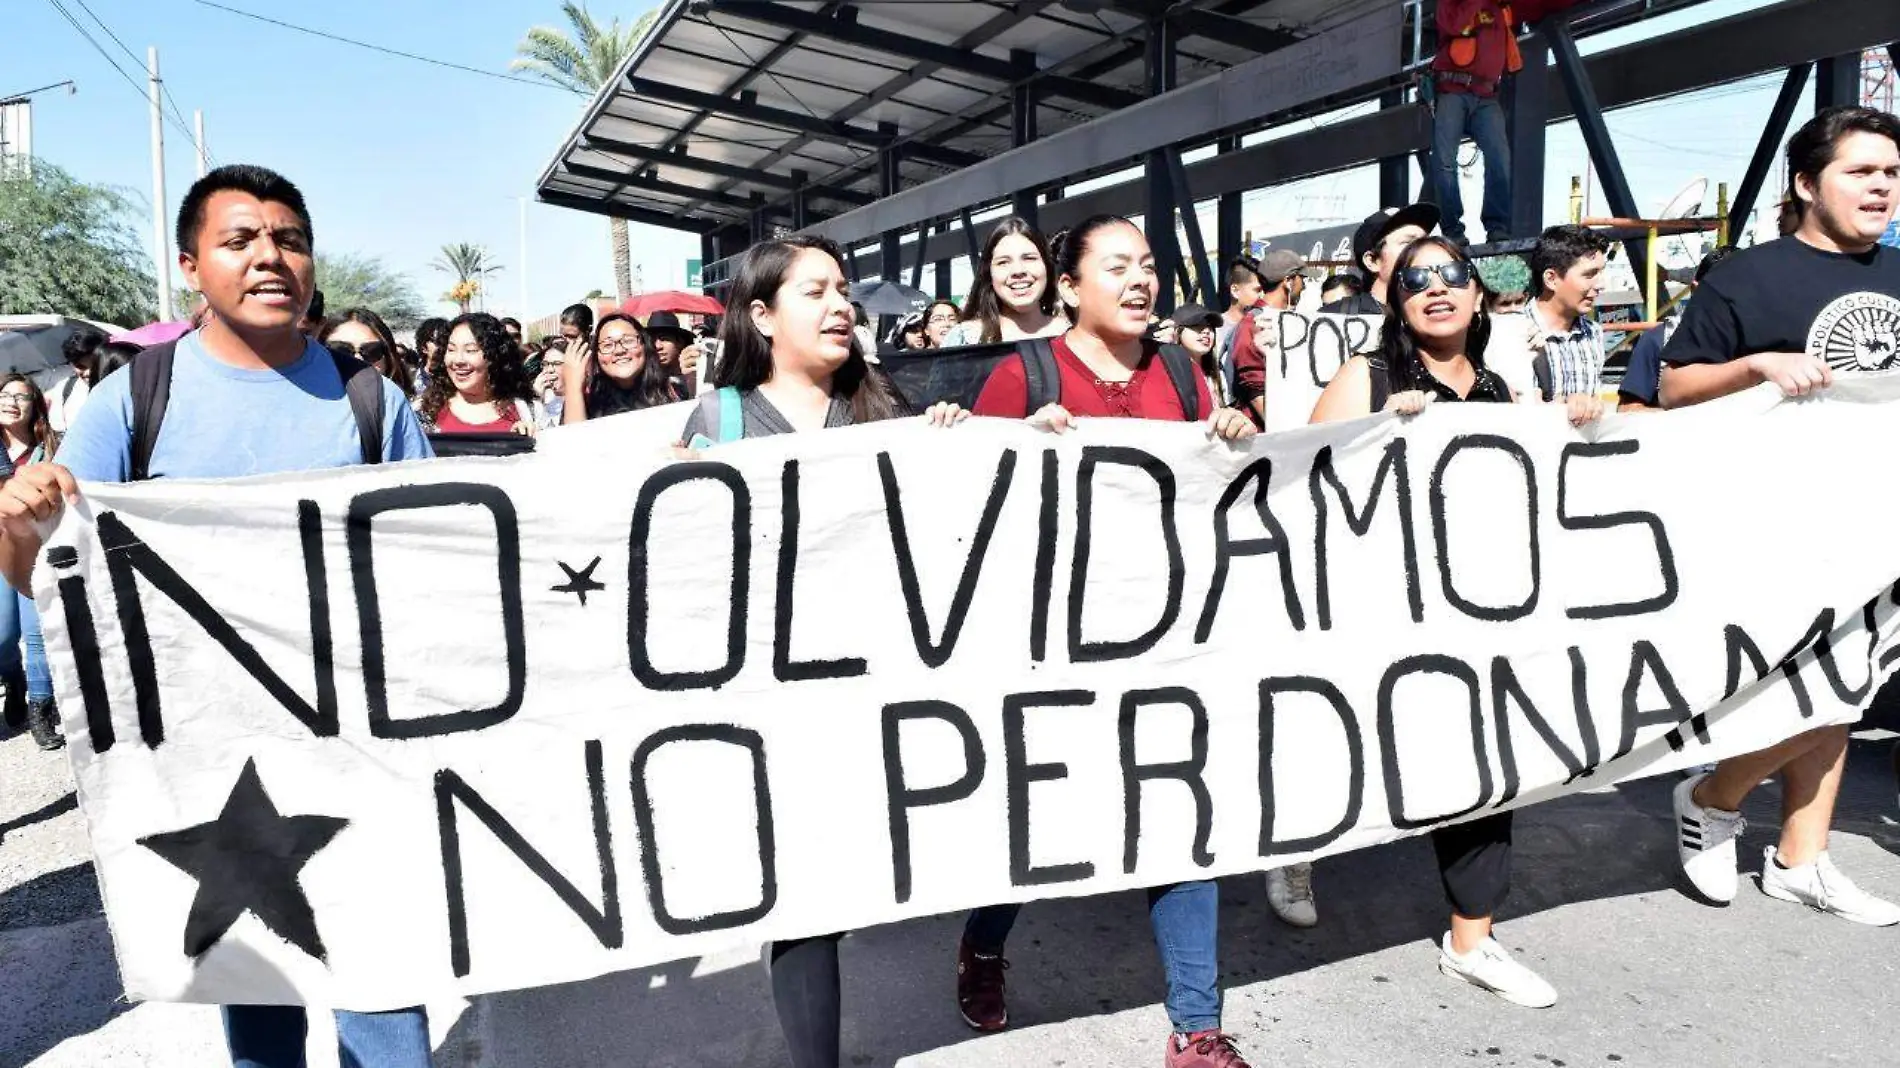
(889, 298)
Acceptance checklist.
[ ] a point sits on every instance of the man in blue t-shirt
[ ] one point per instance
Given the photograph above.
(250, 395)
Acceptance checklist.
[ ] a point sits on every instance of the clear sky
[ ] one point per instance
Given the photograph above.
(397, 157)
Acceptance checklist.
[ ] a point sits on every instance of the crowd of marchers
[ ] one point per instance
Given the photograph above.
(264, 383)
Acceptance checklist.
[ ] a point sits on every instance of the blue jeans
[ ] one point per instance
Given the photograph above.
(39, 674)
(1186, 921)
(10, 636)
(1457, 116)
(272, 1036)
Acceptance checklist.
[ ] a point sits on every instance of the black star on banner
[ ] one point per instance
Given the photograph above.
(579, 583)
(247, 860)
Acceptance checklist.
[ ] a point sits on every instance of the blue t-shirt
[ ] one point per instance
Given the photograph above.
(225, 422)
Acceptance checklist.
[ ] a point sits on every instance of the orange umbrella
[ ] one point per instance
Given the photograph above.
(671, 300)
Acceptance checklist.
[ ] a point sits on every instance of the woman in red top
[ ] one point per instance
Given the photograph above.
(1109, 367)
(483, 387)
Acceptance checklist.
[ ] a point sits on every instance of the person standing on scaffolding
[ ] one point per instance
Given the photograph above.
(1477, 50)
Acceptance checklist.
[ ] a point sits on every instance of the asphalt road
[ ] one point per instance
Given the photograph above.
(1647, 976)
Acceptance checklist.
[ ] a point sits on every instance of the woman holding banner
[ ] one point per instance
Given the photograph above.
(1434, 337)
(1105, 366)
(1012, 297)
(790, 361)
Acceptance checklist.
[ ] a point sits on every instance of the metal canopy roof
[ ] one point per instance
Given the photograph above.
(731, 106)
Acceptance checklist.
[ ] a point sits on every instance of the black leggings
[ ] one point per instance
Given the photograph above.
(805, 993)
(1474, 860)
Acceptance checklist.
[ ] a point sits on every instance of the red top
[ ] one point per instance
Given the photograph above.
(446, 421)
(1150, 394)
(1483, 21)
(1250, 365)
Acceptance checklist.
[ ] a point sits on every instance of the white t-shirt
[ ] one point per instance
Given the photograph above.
(65, 400)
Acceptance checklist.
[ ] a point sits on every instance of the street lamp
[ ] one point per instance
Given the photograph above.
(69, 85)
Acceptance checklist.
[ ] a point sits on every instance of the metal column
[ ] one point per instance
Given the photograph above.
(1527, 114)
(1191, 222)
(1596, 136)
(1767, 149)
(889, 262)
(1837, 81)
(1227, 233)
(799, 179)
(1395, 172)
(1160, 199)
(1022, 130)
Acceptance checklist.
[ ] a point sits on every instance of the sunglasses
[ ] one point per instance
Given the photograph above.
(1456, 275)
(368, 351)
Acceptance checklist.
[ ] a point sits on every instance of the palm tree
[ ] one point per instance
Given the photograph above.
(581, 61)
(470, 264)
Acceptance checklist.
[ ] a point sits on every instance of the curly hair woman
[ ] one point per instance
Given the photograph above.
(483, 388)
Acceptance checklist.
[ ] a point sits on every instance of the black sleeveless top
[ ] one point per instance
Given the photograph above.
(1486, 384)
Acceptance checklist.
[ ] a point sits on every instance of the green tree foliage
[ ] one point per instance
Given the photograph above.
(581, 59)
(69, 248)
(352, 281)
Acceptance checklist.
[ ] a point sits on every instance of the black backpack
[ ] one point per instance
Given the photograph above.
(1045, 380)
(151, 373)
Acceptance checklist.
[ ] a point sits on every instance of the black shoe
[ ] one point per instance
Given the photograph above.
(43, 720)
(13, 708)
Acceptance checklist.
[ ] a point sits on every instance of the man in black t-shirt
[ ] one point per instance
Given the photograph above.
(1795, 312)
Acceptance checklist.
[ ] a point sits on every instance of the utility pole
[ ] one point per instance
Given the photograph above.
(160, 243)
(198, 130)
(523, 313)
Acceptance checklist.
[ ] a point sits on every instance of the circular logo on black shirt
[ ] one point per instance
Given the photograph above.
(1858, 332)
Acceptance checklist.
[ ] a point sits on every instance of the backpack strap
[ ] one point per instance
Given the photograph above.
(1381, 383)
(364, 387)
(1179, 363)
(66, 391)
(730, 407)
(151, 373)
(1040, 374)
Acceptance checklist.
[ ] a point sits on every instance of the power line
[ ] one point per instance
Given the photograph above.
(164, 90)
(142, 91)
(380, 48)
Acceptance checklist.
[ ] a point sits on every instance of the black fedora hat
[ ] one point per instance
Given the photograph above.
(663, 324)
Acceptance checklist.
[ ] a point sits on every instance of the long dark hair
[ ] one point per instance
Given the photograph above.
(394, 368)
(984, 305)
(38, 423)
(1398, 348)
(507, 378)
(650, 388)
(745, 355)
(112, 356)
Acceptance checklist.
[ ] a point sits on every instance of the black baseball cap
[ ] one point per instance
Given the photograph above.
(1195, 317)
(1382, 222)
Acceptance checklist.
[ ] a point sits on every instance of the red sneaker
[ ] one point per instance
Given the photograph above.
(1203, 1049)
(980, 989)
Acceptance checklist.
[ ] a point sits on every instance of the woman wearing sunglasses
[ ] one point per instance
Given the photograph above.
(1435, 332)
(362, 333)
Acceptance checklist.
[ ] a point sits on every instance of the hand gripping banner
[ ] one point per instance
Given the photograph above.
(371, 737)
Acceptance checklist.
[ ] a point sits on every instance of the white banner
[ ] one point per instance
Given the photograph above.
(1312, 348)
(372, 737)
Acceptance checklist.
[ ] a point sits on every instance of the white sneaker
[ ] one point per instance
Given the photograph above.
(1705, 842)
(1821, 886)
(1491, 967)
(1290, 895)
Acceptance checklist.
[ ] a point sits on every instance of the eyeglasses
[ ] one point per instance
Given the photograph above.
(368, 351)
(15, 400)
(1455, 273)
(942, 320)
(623, 343)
